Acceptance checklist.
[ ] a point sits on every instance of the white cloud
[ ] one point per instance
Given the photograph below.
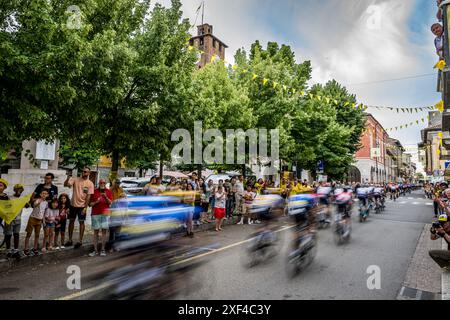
(339, 39)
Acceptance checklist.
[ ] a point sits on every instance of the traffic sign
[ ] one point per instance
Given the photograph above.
(320, 166)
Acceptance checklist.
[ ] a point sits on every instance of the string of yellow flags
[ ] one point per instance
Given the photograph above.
(276, 85)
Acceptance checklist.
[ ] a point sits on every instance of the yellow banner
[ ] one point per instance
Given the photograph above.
(10, 209)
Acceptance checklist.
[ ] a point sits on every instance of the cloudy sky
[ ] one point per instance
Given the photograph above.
(360, 43)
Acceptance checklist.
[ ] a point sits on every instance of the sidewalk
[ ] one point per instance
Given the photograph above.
(445, 278)
(67, 253)
(424, 279)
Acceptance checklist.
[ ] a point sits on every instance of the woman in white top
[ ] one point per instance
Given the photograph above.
(219, 207)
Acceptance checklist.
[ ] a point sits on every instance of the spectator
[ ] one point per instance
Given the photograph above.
(101, 202)
(35, 221)
(239, 194)
(259, 185)
(219, 207)
(13, 229)
(204, 201)
(438, 31)
(253, 216)
(172, 185)
(194, 181)
(48, 185)
(50, 219)
(150, 188)
(3, 195)
(441, 257)
(231, 198)
(115, 223)
(83, 189)
(189, 199)
(248, 197)
(159, 186)
(60, 228)
(117, 190)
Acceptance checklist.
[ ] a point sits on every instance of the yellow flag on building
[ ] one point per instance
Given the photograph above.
(10, 209)
(440, 106)
(440, 65)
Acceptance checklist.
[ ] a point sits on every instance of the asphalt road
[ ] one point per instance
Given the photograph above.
(387, 240)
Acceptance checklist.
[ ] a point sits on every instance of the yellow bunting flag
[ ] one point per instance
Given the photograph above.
(275, 84)
(294, 90)
(244, 71)
(346, 104)
(284, 87)
(335, 102)
(319, 98)
(302, 93)
(327, 100)
(265, 81)
(440, 65)
(213, 58)
(311, 96)
(190, 48)
(254, 76)
(235, 67)
(440, 106)
(10, 209)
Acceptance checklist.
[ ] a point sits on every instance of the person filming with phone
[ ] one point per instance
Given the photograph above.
(441, 230)
(100, 202)
(83, 189)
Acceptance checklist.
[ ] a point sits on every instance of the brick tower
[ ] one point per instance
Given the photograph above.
(205, 41)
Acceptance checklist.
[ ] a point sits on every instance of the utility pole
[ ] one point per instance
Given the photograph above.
(203, 12)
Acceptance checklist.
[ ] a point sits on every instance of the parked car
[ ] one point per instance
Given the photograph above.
(136, 188)
(167, 175)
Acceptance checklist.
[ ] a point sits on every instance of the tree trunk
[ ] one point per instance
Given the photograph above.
(243, 170)
(199, 171)
(141, 172)
(115, 165)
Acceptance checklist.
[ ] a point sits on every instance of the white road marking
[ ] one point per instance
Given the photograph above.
(105, 285)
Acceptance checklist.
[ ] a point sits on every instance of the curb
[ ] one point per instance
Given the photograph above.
(445, 278)
(69, 253)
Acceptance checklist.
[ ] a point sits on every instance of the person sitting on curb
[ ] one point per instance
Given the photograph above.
(441, 257)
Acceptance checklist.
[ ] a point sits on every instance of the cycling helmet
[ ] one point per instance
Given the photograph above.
(443, 218)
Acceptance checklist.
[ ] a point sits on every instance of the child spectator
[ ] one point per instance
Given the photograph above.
(35, 221)
(249, 196)
(438, 31)
(60, 228)
(50, 219)
(13, 229)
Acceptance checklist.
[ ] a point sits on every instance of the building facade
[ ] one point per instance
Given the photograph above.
(370, 160)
